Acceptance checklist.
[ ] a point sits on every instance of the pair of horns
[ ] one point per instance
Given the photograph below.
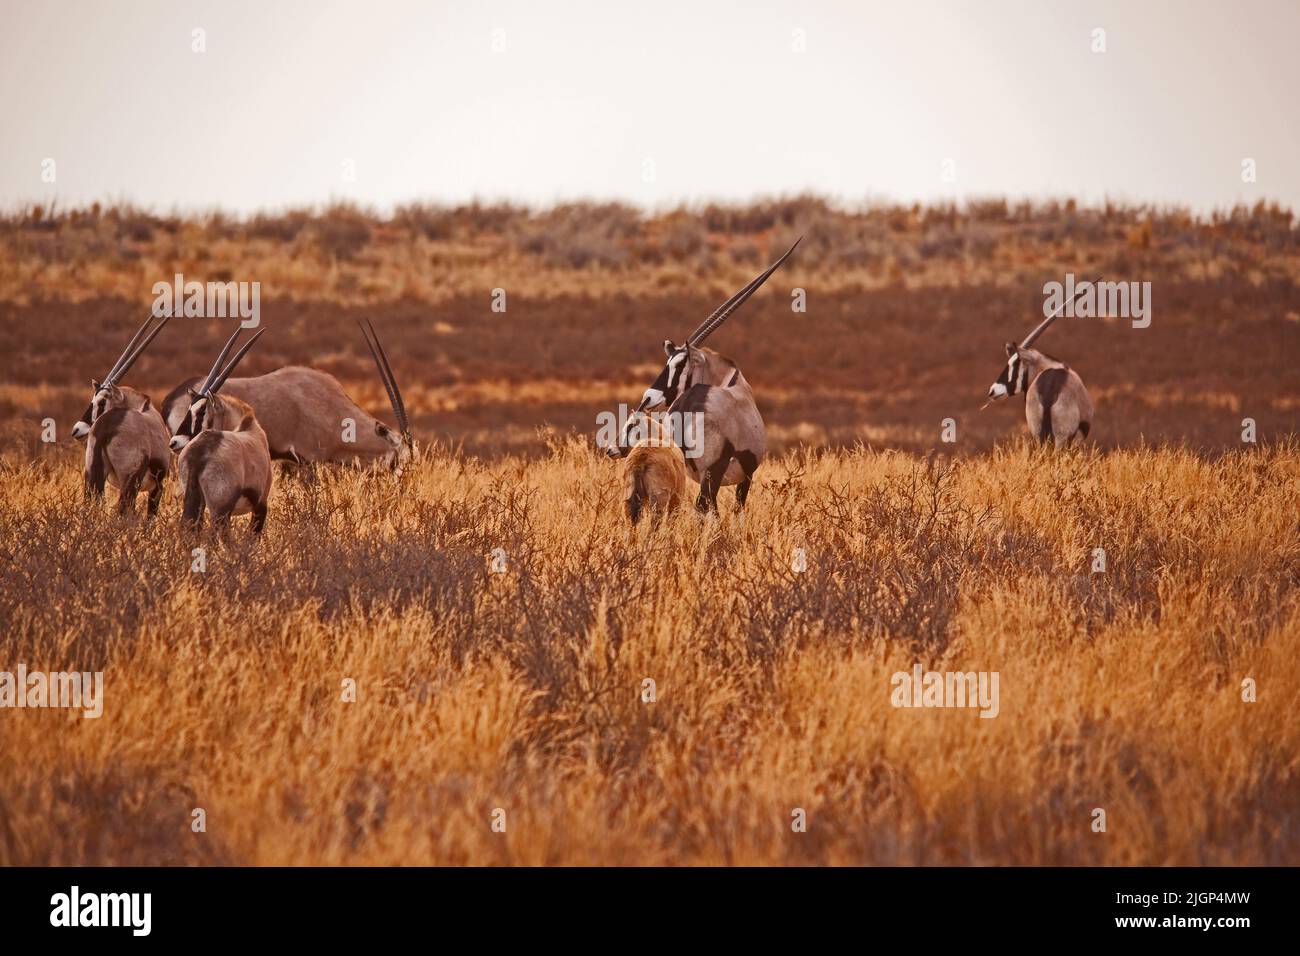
(1056, 314)
(218, 375)
(133, 350)
(724, 311)
(386, 374)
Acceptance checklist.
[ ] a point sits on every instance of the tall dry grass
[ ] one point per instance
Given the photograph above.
(522, 690)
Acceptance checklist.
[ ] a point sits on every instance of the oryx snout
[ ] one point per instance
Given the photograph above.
(997, 391)
(178, 442)
(80, 430)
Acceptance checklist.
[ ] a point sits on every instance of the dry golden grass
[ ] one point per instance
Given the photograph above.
(521, 690)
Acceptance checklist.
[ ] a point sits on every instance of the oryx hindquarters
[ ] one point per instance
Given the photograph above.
(225, 461)
(1057, 406)
(226, 468)
(725, 437)
(127, 447)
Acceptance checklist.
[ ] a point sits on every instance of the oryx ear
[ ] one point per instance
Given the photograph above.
(669, 348)
(696, 355)
(193, 394)
(94, 384)
(1011, 349)
(147, 405)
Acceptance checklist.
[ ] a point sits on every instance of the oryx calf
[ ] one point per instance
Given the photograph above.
(225, 461)
(699, 383)
(1057, 406)
(654, 475)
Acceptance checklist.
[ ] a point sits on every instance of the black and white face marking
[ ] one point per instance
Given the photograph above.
(98, 405)
(193, 423)
(1012, 379)
(672, 381)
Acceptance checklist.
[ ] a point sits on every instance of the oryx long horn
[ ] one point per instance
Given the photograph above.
(386, 374)
(225, 373)
(125, 366)
(720, 315)
(1056, 314)
(216, 366)
(121, 359)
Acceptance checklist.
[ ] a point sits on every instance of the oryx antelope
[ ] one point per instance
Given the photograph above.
(307, 416)
(126, 440)
(654, 475)
(1057, 406)
(225, 462)
(696, 381)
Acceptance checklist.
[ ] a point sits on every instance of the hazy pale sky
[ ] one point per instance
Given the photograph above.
(385, 101)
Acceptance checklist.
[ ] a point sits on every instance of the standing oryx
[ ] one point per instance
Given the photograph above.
(224, 463)
(699, 385)
(307, 416)
(126, 440)
(1057, 406)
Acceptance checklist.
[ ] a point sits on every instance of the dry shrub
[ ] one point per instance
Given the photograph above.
(342, 231)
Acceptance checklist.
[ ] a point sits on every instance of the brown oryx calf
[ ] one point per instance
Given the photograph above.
(225, 462)
(1057, 406)
(654, 475)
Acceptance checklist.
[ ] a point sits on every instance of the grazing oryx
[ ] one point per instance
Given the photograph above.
(224, 463)
(126, 440)
(1057, 406)
(697, 381)
(654, 475)
(307, 416)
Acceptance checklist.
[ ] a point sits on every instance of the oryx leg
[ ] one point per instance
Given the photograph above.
(749, 464)
(96, 471)
(157, 471)
(299, 467)
(259, 515)
(192, 512)
(130, 488)
(221, 517)
(712, 481)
